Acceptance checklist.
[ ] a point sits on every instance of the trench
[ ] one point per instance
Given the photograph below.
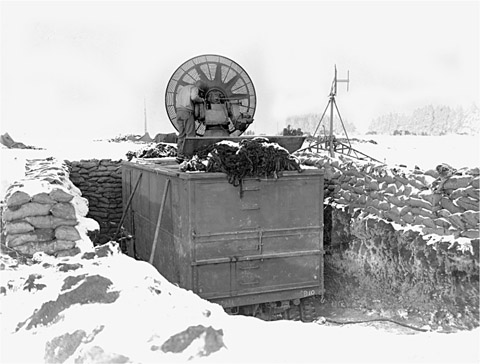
(369, 267)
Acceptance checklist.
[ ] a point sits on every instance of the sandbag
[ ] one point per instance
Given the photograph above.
(394, 215)
(43, 197)
(372, 202)
(435, 230)
(456, 220)
(467, 203)
(18, 198)
(422, 212)
(400, 187)
(471, 234)
(432, 198)
(432, 173)
(474, 171)
(428, 222)
(416, 202)
(23, 191)
(67, 252)
(392, 188)
(408, 218)
(38, 235)
(457, 193)
(61, 195)
(49, 221)
(444, 213)
(372, 210)
(448, 204)
(418, 220)
(442, 222)
(372, 185)
(418, 184)
(405, 210)
(28, 209)
(402, 179)
(64, 210)
(383, 205)
(395, 201)
(476, 182)
(18, 227)
(361, 200)
(473, 192)
(471, 219)
(456, 182)
(425, 180)
(357, 189)
(407, 190)
(48, 247)
(346, 195)
(67, 233)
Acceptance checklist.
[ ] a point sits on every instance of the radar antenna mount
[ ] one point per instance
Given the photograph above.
(330, 143)
(330, 105)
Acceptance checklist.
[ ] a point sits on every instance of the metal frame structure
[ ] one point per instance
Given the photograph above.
(331, 143)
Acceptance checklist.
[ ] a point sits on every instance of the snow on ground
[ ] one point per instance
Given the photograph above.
(149, 310)
(425, 152)
(12, 165)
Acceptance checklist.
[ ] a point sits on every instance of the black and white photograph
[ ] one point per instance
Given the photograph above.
(268, 181)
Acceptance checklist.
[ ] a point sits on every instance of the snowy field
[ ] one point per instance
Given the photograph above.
(425, 152)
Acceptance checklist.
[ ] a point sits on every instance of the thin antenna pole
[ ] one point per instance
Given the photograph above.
(335, 82)
(332, 98)
(329, 143)
(331, 101)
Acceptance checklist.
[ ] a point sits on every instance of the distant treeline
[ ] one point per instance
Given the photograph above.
(309, 122)
(429, 120)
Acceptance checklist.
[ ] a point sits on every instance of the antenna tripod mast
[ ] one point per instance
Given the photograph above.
(331, 143)
(330, 105)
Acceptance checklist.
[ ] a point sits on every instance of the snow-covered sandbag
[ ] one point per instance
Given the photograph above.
(43, 197)
(18, 198)
(24, 190)
(61, 194)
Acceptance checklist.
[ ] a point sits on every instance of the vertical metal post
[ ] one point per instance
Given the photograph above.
(331, 126)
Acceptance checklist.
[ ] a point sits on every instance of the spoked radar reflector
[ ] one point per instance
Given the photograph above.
(230, 92)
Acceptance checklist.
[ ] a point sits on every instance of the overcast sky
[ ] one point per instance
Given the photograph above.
(85, 68)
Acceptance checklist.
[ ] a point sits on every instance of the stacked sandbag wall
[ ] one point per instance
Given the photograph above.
(406, 237)
(101, 184)
(45, 212)
(446, 206)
